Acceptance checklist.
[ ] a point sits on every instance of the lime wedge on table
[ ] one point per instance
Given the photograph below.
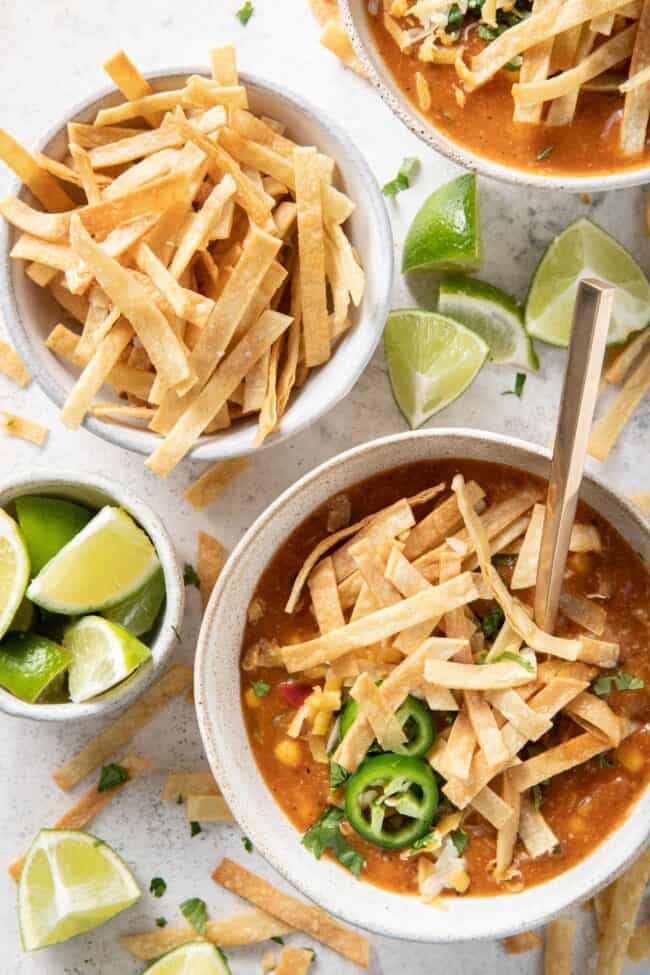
(29, 663)
(70, 883)
(14, 570)
(446, 232)
(140, 611)
(195, 958)
(584, 250)
(103, 654)
(431, 360)
(108, 561)
(492, 314)
(48, 524)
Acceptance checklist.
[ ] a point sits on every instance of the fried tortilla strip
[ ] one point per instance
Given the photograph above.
(382, 624)
(535, 66)
(91, 380)
(223, 64)
(628, 891)
(325, 597)
(517, 944)
(439, 524)
(202, 224)
(560, 758)
(305, 917)
(367, 559)
(123, 378)
(42, 184)
(120, 732)
(207, 809)
(562, 110)
(387, 523)
(520, 715)
(585, 612)
(189, 783)
(46, 226)
(126, 76)
(246, 928)
(135, 147)
(211, 560)
(12, 366)
(19, 426)
(525, 572)
(492, 807)
(481, 677)
(379, 715)
(536, 835)
(89, 136)
(161, 343)
(30, 248)
(627, 357)
(311, 250)
(558, 948)
(485, 729)
(87, 176)
(642, 501)
(294, 961)
(609, 427)
(507, 833)
(214, 481)
(158, 102)
(91, 803)
(639, 946)
(595, 716)
(456, 756)
(636, 109)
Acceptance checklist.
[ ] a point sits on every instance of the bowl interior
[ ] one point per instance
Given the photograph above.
(31, 312)
(217, 691)
(95, 493)
(356, 22)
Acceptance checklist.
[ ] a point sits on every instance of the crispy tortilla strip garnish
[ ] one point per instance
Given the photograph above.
(639, 946)
(120, 732)
(214, 481)
(382, 624)
(520, 715)
(560, 758)
(336, 40)
(439, 524)
(246, 928)
(456, 758)
(123, 378)
(215, 394)
(135, 147)
(100, 366)
(24, 429)
(159, 101)
(642, 501)
(87, 177)
(387, 523)
(126, 76)
(609, 427)
(89, 136)
(42, 184)
(367, 559)
(12, 366)
(535, 66)
(46, 226)
(525, 572)
(561, 111)
(492, 807)
(628, 891)
(311, 920)
(294, 961)
(636, 109)
(30, 248)
(595, 716)
(207, 809)
(517, 944)
(557, 693)
(584, 612)
(381, 718)
(558, 948)
(223, 65)
(481, 677)
(623, 362)
(507, 833)
(536, 835)
(325, 597)
(311, 249)
(91, 803)
(211, 560)
(598, 652)
(189, 783)
(202, 224)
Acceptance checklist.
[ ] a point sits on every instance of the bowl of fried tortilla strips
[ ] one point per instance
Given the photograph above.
(196, 264)
(388, 723)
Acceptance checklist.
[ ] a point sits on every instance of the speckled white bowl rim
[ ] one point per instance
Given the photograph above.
(381, 78)
(226, 745)
(98, 490)
(339, 374)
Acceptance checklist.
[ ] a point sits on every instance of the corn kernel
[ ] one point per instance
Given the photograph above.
(630, 756)
(251, 698)
(288, 752)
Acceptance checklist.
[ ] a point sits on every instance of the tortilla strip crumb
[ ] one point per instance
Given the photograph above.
(214, 481)
(12, 366)
(211, 560)
(516, 944)
(19, 426)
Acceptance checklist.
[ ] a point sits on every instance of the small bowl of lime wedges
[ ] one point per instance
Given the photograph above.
(91, 596)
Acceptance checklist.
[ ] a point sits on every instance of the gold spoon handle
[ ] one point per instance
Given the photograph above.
(591, 318)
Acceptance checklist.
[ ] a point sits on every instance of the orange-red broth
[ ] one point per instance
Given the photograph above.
(582, 806)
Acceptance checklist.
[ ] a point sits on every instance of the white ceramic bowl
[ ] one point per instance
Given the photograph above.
(224, 736)
(30, 311)
(356, 23)
(96, 491)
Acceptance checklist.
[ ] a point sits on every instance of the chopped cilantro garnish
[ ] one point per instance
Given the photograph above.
(338, 775)
(455, 17)
(545, 153)
(326, 834)
(492, 622)
(190, 576)
(111, 776)
(161, 922)
(195, 828)
(423, 841)
(507, 560)
(260, 687)
(487, 32)
(606, 761)
(405, 175)
(515, 63)
(176, 633)
(248, 846)
(621, 681)
(460, 839)
(195, 913)
(157, 886)
(245, 13)
(278, 940)
(520, 382)
(515, 658)
(538, 798)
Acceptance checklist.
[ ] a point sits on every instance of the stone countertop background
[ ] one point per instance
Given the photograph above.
(52, 55)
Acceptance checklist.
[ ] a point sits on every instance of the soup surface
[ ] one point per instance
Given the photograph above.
(484, 124)
(581, 805)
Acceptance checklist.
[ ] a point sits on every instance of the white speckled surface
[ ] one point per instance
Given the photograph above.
(52, 53)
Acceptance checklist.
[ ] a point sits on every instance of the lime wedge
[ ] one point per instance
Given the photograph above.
(103, 654)
(29, 663)
(14, 570)
(492, 314)
(195, 958)
(70, 882)
(24, 617)
(108, 561)
(431, 360)
(446, 232)
(584, 250)
(139, 612)
(48, 524)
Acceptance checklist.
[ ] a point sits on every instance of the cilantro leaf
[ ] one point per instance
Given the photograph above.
(191, 576)
(621, 681)
(538, 798)
(492, 622)
(245, 13)
(195, 828)
(248, 846)
(422, 842)
(161, 922)
(520, 382)
(176, 633)
(338, 775)
(405, 174)
(545, 153)
(606, 761)
(460, 839)
(195, 912)
(157, 887)
(278, 940)
(455, 17)
(111, 776)
(516, 659)
(326, 834)
(260, 687)
(515, 63)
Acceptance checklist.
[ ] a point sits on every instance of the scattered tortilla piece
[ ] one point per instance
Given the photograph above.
(207, 809)
(43, 185)
(189, 783)
(559, 946)
(211, 560)
(24, 429)
(214, 481)
(12, 365)
(294, 961)
(642, 500)
(609, 427)
(626, 898)
(517, 944)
